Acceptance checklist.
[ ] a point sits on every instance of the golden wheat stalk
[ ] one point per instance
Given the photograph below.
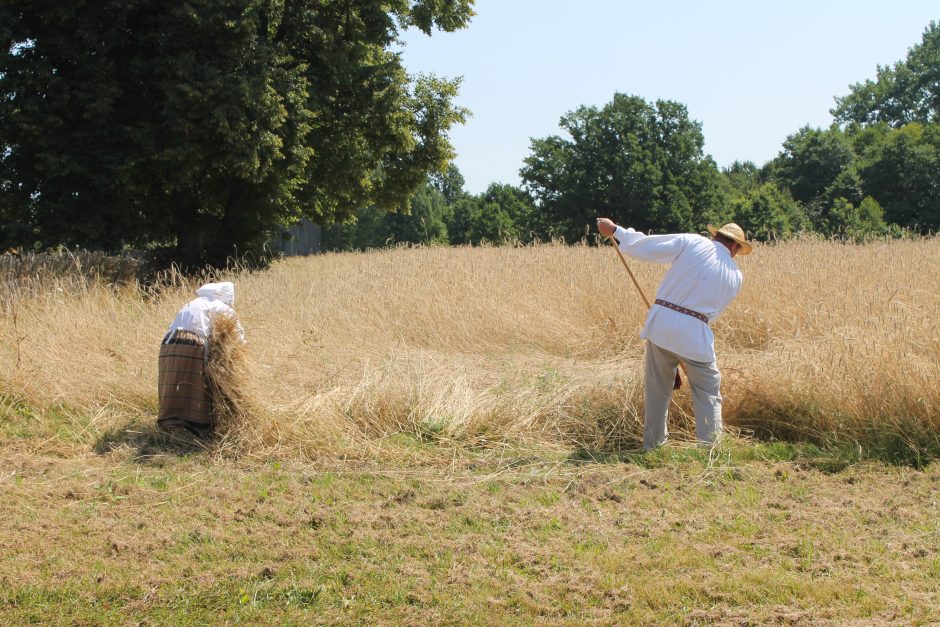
(348, 352)
(241, 424)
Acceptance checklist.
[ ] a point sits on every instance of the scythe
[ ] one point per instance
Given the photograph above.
(678, 381)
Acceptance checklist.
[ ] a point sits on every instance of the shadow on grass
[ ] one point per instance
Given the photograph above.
(833, 453)
(800, 432)
(834, 440)
(832, 458)
(148, 441)
(665, 456)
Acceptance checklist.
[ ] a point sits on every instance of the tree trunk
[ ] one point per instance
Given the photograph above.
(190, 246)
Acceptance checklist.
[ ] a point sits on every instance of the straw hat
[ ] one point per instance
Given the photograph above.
(736, 233)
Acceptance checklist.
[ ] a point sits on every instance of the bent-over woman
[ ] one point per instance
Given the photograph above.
(183, 385)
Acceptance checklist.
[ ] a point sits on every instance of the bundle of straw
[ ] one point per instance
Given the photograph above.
(241, 426)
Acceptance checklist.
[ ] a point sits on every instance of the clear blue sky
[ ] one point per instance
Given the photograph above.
(750, 72)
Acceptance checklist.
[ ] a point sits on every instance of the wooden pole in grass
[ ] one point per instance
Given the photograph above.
(623, 260)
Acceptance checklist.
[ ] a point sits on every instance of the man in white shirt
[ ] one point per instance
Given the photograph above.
(702, 280)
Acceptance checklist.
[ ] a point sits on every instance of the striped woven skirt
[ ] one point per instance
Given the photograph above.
(185, 400)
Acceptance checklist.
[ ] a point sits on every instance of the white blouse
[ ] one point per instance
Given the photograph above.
(213, 299)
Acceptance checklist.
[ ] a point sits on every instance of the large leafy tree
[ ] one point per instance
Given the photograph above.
(639, 163)
(503, 213)
(908, 91)
(766, 213)
(811, 161)
(900, 169)
(207, 123)
(373, 227)
(894, 123)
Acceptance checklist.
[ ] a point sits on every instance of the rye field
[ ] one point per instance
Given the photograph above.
(449, 436)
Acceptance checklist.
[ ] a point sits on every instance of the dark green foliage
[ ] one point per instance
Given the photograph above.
(766, 213)
(442, 212)
(758, 205)
(638, 163)
(842, 218)
(901, 170)
(893, 122)
(908, 91)
(892, 172)
(503, 213)
(811, 161)
(741, 177)
(204, 126)
(449, 183)
(423, 223)
(208, 123)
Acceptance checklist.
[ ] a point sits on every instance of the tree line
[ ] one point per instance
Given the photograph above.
(873, 173)
(201, 127)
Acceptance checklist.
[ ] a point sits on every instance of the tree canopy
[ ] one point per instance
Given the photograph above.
(908, 91)
(639, 163)
(205, 124)
(811, 161)
(503, 213)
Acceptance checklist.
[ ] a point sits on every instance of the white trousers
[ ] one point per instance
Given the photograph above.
(704, 381)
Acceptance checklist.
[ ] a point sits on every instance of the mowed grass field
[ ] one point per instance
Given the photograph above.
(449, 435)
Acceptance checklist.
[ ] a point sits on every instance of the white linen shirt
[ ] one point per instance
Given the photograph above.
(703, 277)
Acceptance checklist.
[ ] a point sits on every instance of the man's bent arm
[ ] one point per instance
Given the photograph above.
(653, 248)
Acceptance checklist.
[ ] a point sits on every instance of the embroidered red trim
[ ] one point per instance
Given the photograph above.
(680, 309)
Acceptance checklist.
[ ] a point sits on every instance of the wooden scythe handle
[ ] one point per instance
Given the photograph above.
(678, 381)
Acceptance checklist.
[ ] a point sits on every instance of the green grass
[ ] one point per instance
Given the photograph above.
(137, 526)
(195, 540)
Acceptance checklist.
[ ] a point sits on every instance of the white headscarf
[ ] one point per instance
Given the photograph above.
(196, 316)
(224, 291)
